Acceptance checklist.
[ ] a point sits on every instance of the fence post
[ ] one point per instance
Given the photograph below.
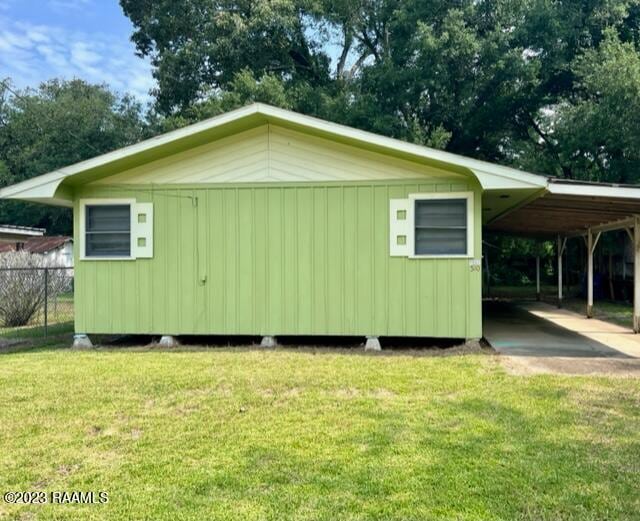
(46, 300)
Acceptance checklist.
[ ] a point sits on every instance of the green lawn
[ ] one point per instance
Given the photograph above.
(290, 434)
(36, 331)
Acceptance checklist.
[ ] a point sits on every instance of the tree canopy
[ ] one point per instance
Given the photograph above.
(57, 124)
(538, 84)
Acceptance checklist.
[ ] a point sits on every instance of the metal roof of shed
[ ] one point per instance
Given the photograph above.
(11, 232)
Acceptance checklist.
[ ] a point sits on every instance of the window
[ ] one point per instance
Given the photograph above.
(440, 226)
(432, 225)
(107, 230)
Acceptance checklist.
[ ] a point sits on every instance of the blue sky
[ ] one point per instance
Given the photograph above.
(88, 39)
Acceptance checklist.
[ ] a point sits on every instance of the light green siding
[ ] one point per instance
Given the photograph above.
(281, 259)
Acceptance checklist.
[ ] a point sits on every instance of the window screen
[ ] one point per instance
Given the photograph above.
(441, 227)
(108, 230)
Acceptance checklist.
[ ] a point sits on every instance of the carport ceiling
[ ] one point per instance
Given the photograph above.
(560, 213)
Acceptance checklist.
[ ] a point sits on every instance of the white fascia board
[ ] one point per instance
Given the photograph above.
(42, 185)
(20, 230)
(621, 192)
(479, 168)
(489, 175)
(37, 190)
(492, 181)
(57, 176)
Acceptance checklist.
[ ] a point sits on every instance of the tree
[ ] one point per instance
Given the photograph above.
(22, 289)
(60, 123)
(599, 131)
(475, 78)
(198, 46)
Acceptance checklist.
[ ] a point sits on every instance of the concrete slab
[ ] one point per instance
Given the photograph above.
(536, 329)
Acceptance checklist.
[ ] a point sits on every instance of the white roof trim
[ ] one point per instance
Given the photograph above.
(478, 167)
(21, 230)
(491, 176)
(622, 192)
(488, 174)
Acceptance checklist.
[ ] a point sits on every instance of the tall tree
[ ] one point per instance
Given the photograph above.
(477, 78)
(58, 124)
(598, 132)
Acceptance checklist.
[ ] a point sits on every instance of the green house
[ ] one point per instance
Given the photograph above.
(266, 222)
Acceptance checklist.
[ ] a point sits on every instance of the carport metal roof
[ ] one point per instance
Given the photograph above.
(569, 208)
(575, 208)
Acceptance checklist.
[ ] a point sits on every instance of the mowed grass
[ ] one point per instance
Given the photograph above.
(291, 434)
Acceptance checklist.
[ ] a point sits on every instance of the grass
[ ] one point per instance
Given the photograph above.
(59, 319)
(36, 331)
(291, 434)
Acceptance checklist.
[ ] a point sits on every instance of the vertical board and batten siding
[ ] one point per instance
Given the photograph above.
(289, 235)
(298, 259)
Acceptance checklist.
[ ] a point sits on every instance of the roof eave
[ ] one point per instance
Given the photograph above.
(46, 188)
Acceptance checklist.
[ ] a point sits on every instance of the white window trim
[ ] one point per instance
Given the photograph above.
(470, 224)
(105, 202)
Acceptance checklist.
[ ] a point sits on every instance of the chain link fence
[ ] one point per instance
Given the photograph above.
(35, 301)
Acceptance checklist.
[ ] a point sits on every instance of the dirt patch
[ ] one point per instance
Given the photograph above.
(533, 365)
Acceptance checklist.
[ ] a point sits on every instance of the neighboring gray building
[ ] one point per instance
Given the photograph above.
(10, 233)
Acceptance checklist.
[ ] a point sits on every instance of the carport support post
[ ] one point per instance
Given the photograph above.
(590, 248)
(538, 277)
(636, 274)
(562, 243)
(592, 242)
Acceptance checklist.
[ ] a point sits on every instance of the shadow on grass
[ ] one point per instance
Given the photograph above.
(314, 345)
(467, 453)
(391, 346)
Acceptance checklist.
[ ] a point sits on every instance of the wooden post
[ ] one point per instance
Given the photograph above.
(589, 273)
(538, 277)
(562, 242)
(636, 274)
(488, 273)
(592, 242)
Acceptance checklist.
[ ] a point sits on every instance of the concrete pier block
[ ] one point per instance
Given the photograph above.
(473, 343)
(168, 341)
(268, 341)
(372, 344)
(81, 341)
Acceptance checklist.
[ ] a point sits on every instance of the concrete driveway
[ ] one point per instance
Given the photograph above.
(537, 337)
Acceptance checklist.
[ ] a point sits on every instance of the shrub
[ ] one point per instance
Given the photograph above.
(22, 291)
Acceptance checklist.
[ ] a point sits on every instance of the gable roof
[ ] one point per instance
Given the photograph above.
(56, 187)
(38, 244)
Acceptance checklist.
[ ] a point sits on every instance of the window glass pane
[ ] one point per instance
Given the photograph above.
(108, 218)
(441, 212)
(108, 230)
(441, 241)
(108, 245)
(441, 227)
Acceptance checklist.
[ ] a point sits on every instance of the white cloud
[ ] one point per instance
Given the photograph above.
(31, 53)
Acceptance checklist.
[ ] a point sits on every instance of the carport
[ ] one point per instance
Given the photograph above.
(567, 210)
